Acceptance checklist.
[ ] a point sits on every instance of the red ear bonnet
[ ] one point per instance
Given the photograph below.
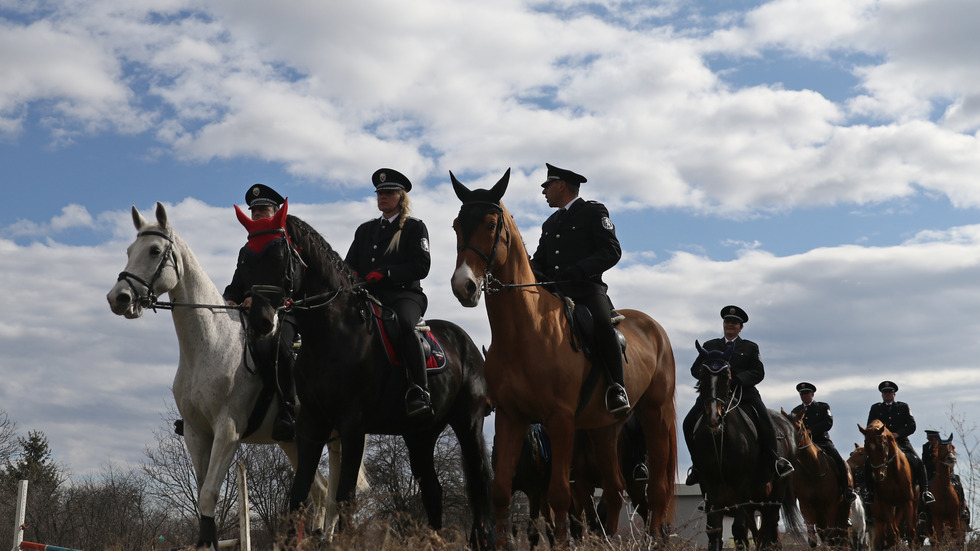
(263, 231)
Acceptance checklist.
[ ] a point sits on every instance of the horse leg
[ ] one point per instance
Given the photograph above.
(606, 442)
(660, 431)
(322, 491)
(223, 449)
(420, 456)
(508, 439)
(199, 446)
(561, 430)
(713, 528)
(477, 471)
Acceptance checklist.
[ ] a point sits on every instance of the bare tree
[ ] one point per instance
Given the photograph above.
(965, 430)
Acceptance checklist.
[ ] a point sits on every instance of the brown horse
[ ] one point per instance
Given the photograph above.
(815, 484)
(537, 372)
(895, 507)
(947, 525)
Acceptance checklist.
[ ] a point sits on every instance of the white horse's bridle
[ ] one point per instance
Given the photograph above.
(147, 300)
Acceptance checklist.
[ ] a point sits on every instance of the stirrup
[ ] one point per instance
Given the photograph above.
(928, 498)
(623, 407)
(692, 477)
(417, 402)
(641, 473)
(787, 467)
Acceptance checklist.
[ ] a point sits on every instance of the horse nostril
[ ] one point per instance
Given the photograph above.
(470, 288)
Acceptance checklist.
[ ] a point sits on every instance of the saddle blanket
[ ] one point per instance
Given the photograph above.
(436, 358)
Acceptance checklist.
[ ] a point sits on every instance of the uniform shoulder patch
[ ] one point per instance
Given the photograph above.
(425, 244)
(607, 223)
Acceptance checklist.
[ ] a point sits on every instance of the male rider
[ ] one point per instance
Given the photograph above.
(818, 419)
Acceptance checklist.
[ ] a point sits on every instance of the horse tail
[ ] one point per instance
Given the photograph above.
(792, 518)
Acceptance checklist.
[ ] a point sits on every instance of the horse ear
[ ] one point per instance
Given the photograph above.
(462, 192)
(161, 215)
(856, 445)
(700, 348)
(501, 186)
(138, 219)
(281, 213)
(860, 428)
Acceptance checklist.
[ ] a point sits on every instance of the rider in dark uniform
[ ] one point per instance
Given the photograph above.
(899, 421)
(391, 253)
(264, 202)
(578, 243)
(818, 419)
(747, 371)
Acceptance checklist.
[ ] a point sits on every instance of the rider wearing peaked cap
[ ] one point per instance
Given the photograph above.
(578, 243)
(898, 419)
(391, 253)
(747, 371)
(818, 419)
(263, 202)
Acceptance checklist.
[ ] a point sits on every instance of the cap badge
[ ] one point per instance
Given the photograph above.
(381, 177)
(256, 191)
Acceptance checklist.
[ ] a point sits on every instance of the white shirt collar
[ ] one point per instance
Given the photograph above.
(570, 203)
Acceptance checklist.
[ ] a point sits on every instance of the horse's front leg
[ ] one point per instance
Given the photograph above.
(561, 430)
(322, 492)
(713, 527)
(606, 441)
(420, 456)
(223, 448)
(508, 439)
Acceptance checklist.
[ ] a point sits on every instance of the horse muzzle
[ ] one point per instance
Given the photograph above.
(123, 303)
(466, 287)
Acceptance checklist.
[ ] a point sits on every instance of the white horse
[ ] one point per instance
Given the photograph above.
(859, 526)
(214, 389)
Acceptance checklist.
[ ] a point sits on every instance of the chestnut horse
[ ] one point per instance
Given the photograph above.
(816, 487)
(537, 373)
(895, 506)
(947, 525)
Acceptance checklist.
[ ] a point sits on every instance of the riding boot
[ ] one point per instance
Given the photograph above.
(284, 427)
(617, 402)
(767, 441)
(417, 401)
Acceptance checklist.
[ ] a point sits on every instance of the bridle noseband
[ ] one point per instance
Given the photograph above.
(150, 297)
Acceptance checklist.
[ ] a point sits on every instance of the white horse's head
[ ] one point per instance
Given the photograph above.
(153, 267)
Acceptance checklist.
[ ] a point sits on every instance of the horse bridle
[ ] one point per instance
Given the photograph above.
(497, 238)
(888, 458)
(150, 298)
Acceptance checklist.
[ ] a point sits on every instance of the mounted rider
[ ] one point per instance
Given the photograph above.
(747, 371)
(578, 243)
(391, 253)
(276, 365)
(818, 419)
(898, 420)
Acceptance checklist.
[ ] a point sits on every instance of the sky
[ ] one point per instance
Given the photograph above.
(812, 161)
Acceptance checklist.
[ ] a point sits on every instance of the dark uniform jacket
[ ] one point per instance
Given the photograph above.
(818, 420)
(747, 368)
(403, 269)
(582, 237)
(896, 417)
(264, 268)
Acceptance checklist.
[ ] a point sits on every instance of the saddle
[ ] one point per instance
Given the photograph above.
(384, 322)
(583, 326)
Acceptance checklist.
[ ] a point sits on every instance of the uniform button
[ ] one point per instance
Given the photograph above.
(557, 235)
(372, 260)
(556, 252)
(556, 267)
(374, 247)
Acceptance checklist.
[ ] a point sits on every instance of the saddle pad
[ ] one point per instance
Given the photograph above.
(436, 358)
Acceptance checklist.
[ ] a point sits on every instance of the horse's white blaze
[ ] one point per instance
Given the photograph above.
(461, 278)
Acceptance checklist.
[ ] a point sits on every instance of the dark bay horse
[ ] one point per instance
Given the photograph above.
(537, 373)
(346, 383)
(946, 524)
(895, 507)
(728, 457)
(815, 485)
